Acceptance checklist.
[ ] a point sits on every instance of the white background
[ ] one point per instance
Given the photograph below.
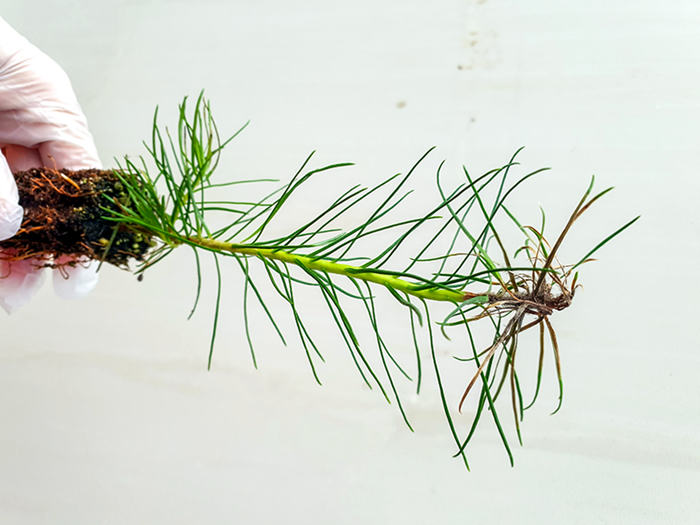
(107, 413)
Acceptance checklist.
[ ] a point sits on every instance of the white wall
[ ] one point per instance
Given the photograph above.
(108, 414)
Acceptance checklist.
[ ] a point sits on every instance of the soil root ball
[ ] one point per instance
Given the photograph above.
(64, 215)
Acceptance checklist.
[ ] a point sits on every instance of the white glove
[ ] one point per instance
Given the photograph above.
(41, 124)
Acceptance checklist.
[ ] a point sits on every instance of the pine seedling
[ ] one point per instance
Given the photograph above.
(143, 211)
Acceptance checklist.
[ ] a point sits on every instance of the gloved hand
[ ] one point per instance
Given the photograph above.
(41, 124)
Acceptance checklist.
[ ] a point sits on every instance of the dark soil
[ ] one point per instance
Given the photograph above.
(64, 215)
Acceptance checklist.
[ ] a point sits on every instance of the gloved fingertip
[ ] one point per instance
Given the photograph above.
(78, 153)
(75, 282)
(20, 281)
(11, 212)
(11, 215)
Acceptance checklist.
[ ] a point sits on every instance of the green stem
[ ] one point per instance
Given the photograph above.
(354, 272)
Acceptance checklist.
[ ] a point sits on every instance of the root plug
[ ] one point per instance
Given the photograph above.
(64, 216)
